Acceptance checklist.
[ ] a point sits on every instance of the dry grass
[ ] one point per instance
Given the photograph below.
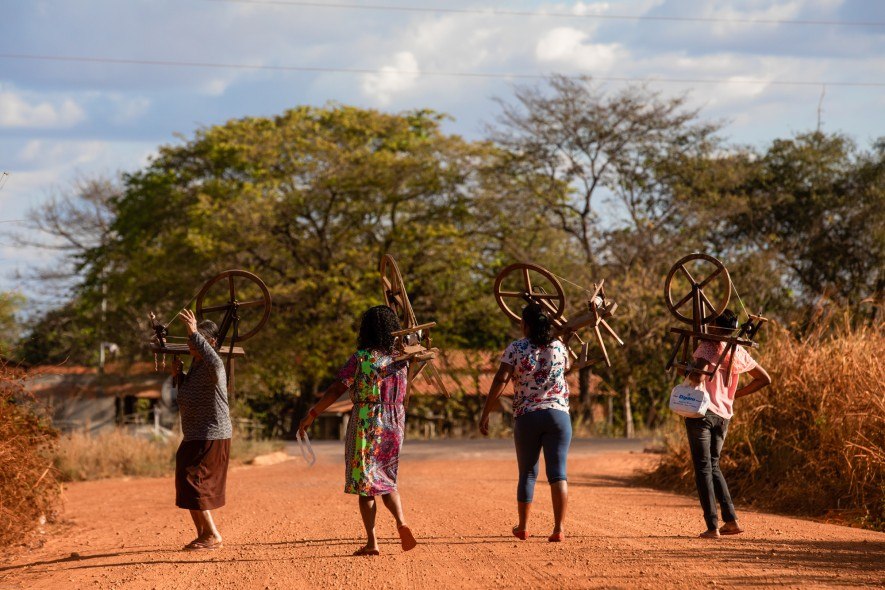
(814, 442)
(28, 487)
(117, 453)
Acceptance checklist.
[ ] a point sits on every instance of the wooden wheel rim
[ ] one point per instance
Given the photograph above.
(554, 303)
(394, 289)
(716, 308)
(229, 275)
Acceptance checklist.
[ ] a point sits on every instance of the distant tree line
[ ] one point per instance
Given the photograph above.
(588, 182)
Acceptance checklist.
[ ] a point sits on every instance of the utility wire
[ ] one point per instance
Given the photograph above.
(600, 16)
(440, 73)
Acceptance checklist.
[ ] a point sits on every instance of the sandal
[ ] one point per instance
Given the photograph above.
(557, 537)
(730, 528)
(521, 535)
(366, 551)
(407, 539)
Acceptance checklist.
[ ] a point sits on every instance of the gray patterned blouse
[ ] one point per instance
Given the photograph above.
(202, 396)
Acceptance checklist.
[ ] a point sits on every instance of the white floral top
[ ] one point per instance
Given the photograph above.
(538, 376)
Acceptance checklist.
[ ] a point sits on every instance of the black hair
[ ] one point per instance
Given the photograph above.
(375, 329)
(539, 326)
(727, 320)
(208, 329)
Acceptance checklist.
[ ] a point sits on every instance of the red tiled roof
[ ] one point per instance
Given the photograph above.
(465, 372)
(119, 380)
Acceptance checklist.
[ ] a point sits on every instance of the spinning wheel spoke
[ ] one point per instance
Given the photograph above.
(687, 274)
(233, 289)
(214, 308)
(711, 277)
(683, 301)
(510, 293)
(527, 279)
(253, 303)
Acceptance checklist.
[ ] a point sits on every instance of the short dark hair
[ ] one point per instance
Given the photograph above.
(539, 324)
(376, 327)
(726, 320)
(208, 329)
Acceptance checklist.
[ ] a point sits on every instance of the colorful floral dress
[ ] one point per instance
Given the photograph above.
(538, 376)
(377, 422)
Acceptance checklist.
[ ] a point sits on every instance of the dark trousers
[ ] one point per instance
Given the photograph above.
(705, 439)
(550, 430)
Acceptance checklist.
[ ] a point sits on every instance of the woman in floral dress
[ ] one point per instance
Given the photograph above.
(377, 422)
(537, 365)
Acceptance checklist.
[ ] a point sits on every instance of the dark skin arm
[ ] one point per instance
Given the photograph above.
(502, 377)
(329, 396)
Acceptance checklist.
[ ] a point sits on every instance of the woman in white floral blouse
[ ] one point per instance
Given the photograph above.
(537, 365)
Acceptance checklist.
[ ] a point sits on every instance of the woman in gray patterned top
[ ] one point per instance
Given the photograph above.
(202, 458)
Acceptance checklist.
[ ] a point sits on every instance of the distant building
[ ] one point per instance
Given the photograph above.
(79, 399)
(463, 372)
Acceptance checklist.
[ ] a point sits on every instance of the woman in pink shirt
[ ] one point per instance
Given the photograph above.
(706, 435)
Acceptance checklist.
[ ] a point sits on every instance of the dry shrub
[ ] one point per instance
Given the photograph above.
(813, 443)
(118, 453)
(28, 487)
(113, 453)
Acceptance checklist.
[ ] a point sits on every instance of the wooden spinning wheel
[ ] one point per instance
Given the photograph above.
(239, 303)
(412, 342)
(704, 281)
(706, 306)
(529, 283)
(395, 296)
(256, 308)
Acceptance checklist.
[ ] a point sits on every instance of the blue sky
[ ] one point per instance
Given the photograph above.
(63, 120)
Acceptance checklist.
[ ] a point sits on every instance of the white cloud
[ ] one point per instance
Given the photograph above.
(130, 109)
(568, 47)
(16, 111)
(392, 80)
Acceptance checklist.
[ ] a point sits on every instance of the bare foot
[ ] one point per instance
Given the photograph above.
(711, 534)
(367, 550)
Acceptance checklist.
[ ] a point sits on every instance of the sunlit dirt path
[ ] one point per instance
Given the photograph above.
(290, 526)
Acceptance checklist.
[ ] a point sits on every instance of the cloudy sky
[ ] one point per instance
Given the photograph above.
(92, 87)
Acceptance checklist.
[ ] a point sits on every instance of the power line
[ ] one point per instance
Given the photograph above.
(439, 73)
(599, 16)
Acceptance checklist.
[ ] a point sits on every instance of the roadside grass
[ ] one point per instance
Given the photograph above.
(813, 443)
(118, 453)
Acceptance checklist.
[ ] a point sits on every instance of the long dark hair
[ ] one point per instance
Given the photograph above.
(375, 329)
(539, 326)
(727, 320)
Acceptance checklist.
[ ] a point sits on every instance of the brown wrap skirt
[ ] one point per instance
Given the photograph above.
(201, 474)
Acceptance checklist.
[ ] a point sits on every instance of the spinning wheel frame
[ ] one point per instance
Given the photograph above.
(233, 306)
(701, 301)
(554, 303)
(394, 289)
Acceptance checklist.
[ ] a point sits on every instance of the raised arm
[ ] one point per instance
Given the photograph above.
(201, 345)
(502, 377)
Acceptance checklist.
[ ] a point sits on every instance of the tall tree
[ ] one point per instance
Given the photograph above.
(601, 165)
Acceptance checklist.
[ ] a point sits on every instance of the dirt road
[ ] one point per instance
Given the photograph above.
(287, 526)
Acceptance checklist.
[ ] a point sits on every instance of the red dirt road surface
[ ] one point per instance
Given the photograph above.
(290, 526)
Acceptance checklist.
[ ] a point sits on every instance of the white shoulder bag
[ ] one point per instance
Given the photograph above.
(690, 401)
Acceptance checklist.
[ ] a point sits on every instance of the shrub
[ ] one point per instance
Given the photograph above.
(28, 486)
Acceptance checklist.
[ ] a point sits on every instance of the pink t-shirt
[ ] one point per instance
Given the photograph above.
(722, 395)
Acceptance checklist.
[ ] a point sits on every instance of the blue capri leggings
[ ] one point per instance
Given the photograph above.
(550, 430)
